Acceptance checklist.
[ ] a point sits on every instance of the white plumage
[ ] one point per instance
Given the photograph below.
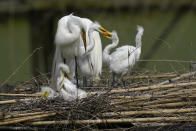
(66, 88)
(49, 92)
(90, 63)
(124, 57)
(71, 37)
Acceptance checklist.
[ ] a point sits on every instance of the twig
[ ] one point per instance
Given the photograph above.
(183, 76)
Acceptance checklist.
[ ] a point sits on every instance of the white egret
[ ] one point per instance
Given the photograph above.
(87, 61)
(124, 57)
(66, 88)
(70, 35)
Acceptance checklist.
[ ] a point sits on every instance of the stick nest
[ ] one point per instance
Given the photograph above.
(147, 100)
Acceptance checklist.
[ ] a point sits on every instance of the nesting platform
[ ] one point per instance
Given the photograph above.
(162, 102)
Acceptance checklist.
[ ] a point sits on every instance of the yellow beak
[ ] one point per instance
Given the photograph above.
(44, 94)
(105, 32)
(65, 74)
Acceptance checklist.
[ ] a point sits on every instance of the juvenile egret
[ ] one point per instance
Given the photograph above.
(124, 57)
(48, 92)
(70, 35)
(66, 88)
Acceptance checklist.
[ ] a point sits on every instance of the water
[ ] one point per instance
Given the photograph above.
(180, 44)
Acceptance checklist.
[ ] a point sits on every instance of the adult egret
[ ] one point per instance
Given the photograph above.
(70, 35)
(86, 61)
(66, 88)
(124, 57)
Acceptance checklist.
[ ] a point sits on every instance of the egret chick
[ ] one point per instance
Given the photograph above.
(124, 57)
(66, 88)
(48, 92)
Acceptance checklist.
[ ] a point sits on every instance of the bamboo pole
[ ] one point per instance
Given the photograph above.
(15, 101)
(114, 121)
(21, 95)
(154, 112)
(188, 93)
(22, 119)
(182, 76)
(146, 88)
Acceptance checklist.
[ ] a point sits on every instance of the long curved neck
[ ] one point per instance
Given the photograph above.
(67, 32)
(138, 38)
(106, 51)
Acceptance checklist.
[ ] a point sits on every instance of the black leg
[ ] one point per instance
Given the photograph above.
(84, 81)
(76, 73)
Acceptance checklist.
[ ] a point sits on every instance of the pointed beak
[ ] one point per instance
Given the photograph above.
(44, 94)
(105, 32)
(84, 38)
(65, 74)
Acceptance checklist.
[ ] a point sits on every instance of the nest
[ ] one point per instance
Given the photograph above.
(164, 101)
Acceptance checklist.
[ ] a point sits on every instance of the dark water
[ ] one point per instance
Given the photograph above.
(179, 43)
